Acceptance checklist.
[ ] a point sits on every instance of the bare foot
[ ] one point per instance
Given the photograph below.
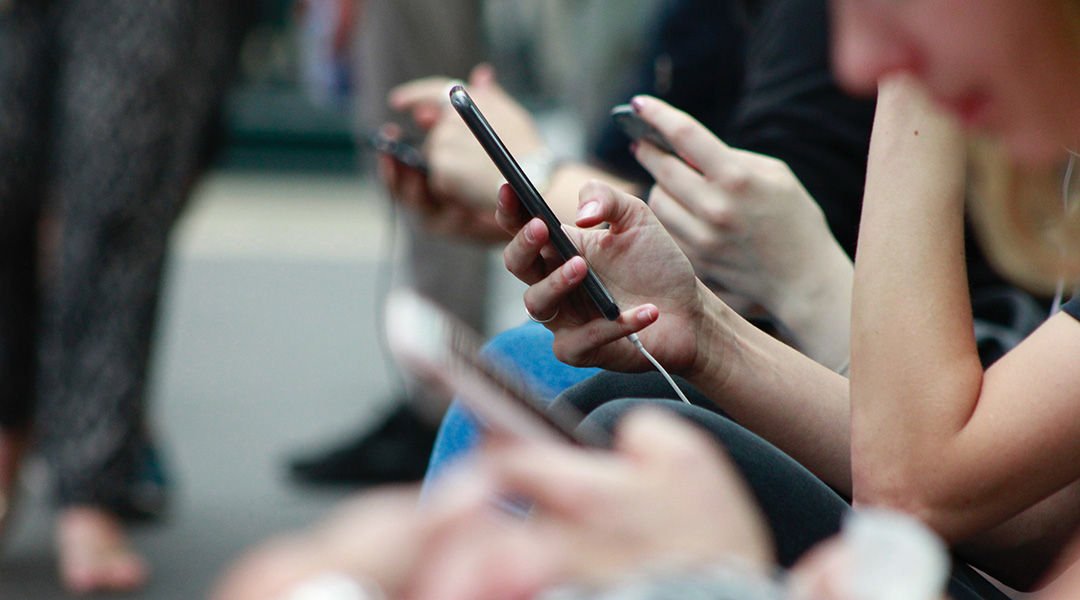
(94, 553)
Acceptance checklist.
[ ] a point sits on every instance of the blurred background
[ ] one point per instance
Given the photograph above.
(268, 337)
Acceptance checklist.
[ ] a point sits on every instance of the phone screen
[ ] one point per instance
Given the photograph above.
(528, 195)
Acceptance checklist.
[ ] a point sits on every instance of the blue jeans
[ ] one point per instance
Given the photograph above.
(526, 349)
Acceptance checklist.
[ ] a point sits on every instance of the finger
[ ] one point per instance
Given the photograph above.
(482, 75)
(657, 436)
(600, 203)
(509, 211)
(579, 345)
(693, 141)
(522, 255)
(553, 476)
(685, 225)
(671, 171)
(428, 90)
(543, 298)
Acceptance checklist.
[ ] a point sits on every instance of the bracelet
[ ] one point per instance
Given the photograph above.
(333, 585)
(540, 167)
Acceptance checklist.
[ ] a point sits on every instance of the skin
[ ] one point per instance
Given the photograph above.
(748, 226)
(595, 516)
(801, 407)
(1006, 67)
(928, 425)
(457, 197)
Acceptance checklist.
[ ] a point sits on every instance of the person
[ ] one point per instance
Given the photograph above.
(463, 547)
(107, 112)
(803, 420)
(1019, 87)
(748, 245)
(397, 41)
(766, 97)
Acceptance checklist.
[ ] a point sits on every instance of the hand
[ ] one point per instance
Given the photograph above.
(443, 215)
(459, 166)
(749, 227)
(376, 536)
(640, 265)
(666, 498)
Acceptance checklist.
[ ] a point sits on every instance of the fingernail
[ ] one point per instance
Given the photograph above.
(647, 313)
(634, 146)
(589, 210)
(572, 271)
(530, 236)
(638, 103)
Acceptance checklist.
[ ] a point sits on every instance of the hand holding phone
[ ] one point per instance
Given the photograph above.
(635, 128)
(528, 194)
(402, 151)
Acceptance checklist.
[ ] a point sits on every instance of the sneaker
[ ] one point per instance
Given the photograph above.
(396, 451)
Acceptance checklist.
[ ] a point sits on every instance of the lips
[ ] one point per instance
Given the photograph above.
(972, 109)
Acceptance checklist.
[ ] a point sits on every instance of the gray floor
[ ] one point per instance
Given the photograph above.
(268, 345)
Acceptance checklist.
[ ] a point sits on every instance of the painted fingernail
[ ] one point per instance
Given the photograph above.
(573, 270)
(588, 210)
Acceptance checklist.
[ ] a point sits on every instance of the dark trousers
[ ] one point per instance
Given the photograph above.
(800, 508)
(105, 111)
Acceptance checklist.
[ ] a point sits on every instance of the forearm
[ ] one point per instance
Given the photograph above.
(915, 373)
(770, 388)
(567, 180)
(816, 311)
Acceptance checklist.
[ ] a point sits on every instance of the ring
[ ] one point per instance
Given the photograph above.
(542, 321)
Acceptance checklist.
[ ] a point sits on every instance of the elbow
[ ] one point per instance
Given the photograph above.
(910, 495)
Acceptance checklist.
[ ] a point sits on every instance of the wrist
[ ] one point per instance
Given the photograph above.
(540, 166)
(717, 343)
(816, 310)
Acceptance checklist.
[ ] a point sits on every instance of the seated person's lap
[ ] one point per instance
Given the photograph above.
(525, 349)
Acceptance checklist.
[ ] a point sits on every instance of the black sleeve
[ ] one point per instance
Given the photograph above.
(792, 109)
(694, 62)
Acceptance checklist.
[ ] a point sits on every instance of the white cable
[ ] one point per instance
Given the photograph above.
(1059, 292)
(637, 344)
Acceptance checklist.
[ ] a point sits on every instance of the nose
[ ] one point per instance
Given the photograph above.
(867, 43)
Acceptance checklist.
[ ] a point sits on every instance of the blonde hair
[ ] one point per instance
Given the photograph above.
(1027, 220)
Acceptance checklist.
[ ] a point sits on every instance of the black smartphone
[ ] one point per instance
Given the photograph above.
(637, 129)
(526, 192)
(402, 151)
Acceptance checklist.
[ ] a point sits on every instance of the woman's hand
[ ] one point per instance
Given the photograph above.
(459, 167)
(750, 228)
(649, 277)
(666, 498)
(442, 215)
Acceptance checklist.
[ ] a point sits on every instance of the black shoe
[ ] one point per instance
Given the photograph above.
(396, 451)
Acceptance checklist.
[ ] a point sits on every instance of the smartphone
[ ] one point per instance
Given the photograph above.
(402, 151)
(444, 354)
(631, 123)
(526, 192)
